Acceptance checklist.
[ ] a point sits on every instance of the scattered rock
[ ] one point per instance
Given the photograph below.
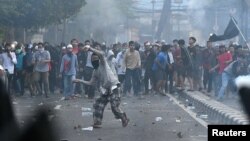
(75, 127)
(86, 109)
(85, 114)
(99, 139)
(58, 107)
(88, 128)
(40, 104)
(158, 119)
(134, 125)
(179, 135)
(153, 122)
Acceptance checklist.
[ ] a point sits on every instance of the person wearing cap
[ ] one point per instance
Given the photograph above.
(68, 68)
(147, 65)
(41, 61)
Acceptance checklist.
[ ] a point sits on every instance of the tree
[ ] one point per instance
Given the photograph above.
(37, 13)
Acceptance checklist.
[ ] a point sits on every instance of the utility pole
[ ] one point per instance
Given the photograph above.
(153, 17)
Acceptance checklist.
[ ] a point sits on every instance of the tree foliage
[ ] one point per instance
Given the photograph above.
(37, 13)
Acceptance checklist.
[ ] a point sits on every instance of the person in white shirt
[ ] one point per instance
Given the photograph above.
(170, 71)
(8, 61)
(121, 69)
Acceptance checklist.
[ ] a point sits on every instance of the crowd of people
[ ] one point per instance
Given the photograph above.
(142, 69)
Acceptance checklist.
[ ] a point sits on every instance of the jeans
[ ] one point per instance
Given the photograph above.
(133, 75)
(225, 79)
(68, 85)
(217, 83)
(207, 80)
(44, 76)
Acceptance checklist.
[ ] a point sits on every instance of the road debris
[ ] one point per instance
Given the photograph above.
(158, 119)
(179, 135)
(58, 107)
(85, 114)
(86, 109)
(88, 128)
(41, 104)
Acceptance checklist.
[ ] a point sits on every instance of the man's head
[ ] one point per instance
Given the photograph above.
(192, 40)
(131, 45)
(231, 49)
(7, 47)
(69, 48)
(147, 45)
(81, 46)
(165, 48)
(222, 48)
(19, 48)
(95, 60)
(209, 44)
(74, 43)
(181, 42)
(175, 43)
(40, 47)
(87, 42)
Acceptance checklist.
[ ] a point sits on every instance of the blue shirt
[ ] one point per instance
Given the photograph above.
(69, 64)
(163, 59)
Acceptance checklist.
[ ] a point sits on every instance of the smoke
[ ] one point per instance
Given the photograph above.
(101, 19)
(198, 17)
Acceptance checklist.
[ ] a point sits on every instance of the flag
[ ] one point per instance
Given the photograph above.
(230, 32)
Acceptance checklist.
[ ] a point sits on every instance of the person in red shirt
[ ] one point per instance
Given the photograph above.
(74, 43)
(224, 59)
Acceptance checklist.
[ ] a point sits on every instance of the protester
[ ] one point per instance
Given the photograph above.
(41, 61)
(68, 68)
(110, 88)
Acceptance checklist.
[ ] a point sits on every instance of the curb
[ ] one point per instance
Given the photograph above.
(216, 111)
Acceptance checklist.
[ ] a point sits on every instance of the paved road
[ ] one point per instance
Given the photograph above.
(142, 113)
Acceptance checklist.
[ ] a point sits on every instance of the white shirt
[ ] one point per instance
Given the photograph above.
(8, 63)
(88, 63)
(171, 58)
(121, 69)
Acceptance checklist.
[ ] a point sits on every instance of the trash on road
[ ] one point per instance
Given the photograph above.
(85, 114)
(203, 116)
(40, 104)
(58, 107)
(88, 128)
(191, 107)
(124, 103)
(148, 102)
(86, 109)
(15, 103)
(63, 98)
(177, 121)
(158, 119)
